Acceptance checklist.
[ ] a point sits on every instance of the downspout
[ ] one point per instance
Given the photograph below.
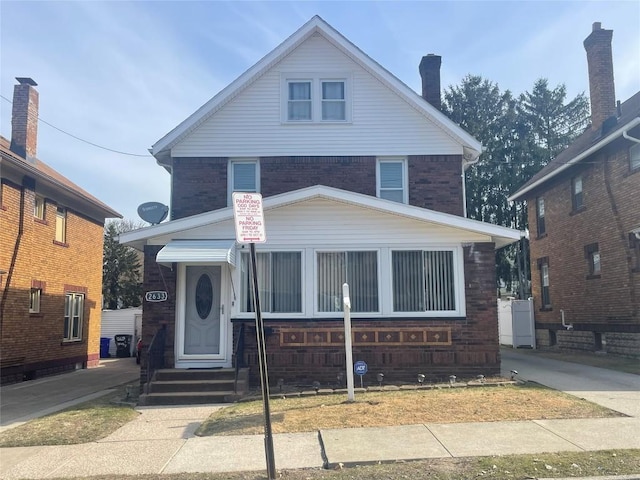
(14, 257)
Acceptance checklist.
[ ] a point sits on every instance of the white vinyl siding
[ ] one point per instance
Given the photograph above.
(381, 123)
(392, 180)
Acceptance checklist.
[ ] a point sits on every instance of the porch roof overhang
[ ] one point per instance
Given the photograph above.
(198, 251)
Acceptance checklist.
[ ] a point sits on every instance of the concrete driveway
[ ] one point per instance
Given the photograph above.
(615, 390)
(21, 402)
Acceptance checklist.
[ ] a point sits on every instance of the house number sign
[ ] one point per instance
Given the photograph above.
(156, 296)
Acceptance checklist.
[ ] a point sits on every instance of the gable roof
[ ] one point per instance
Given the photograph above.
(501, 236)
(44, 173)
(162, 147)
(585, 145)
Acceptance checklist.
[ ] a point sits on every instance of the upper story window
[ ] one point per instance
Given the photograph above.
(312, 98)
(576, 193)
(333, 100)
(392, 180)
(61, 225)
(299, 106)
(38, 207)
(540, 216)
(634, 157)
(244, 176)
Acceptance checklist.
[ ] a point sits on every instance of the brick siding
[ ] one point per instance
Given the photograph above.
(37, 338)
(609, 303)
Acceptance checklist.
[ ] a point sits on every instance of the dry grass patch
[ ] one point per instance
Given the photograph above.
(377, 409)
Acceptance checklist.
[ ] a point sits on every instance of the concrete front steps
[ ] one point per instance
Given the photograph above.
(195, 386)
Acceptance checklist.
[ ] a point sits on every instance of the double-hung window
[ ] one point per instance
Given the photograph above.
(592, 254)
(38, 207)
(545, 297)
(299, 102)
(576, 193)
(73, 315)
(311, 98)
(279, 282)
(392, 180)
(61, 225)
(358, 269)
(35, 295)
(540, 216)
(244, 176)
(334, 105)
(423, 280)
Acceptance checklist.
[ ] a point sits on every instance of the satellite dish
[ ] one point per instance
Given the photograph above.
(153, 212)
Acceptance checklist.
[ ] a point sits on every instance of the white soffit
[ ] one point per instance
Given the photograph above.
(198, 251)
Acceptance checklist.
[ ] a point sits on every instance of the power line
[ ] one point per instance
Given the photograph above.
(82, 139)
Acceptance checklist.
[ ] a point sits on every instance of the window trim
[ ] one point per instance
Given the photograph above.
(541, 231)
(230, 175)
(72, 296)
(590, 252)
(61, 215)
(385, 286)
(316, 80)
(542, 263)
(577, 196)
(405, 176)
(39, 207)
(35, 302)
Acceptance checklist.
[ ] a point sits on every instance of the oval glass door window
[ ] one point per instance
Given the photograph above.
(204, 296)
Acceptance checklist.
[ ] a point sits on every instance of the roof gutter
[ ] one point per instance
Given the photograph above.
(605, 141)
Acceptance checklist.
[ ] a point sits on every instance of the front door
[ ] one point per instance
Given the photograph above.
(203, 333)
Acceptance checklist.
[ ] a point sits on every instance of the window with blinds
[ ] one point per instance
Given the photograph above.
(244, 176)
(392, 183)
(61, 225)
(423, 281)
(279, 282)
(73, 314)
(358, 269)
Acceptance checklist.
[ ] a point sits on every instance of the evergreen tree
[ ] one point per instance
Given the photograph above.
(121, 277)
(520, 136)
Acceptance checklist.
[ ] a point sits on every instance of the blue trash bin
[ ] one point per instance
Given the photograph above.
(105, 342)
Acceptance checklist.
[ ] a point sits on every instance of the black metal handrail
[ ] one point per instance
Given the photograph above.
(155, 353)
(238, 352)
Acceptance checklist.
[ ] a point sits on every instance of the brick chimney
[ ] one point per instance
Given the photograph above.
(430, 73)
(601, 87)
(24, 119)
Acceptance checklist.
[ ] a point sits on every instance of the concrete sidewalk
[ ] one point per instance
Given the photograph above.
(161, 440)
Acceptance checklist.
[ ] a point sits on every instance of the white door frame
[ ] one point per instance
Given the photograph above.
(223, 359)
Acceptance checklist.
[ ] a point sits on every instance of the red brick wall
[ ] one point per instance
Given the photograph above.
(606, 304)
(200, 184)
(38, 337)
(474, 347)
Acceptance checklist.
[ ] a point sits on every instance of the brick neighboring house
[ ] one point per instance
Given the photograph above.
(51, 236)
(584, 218)
(362, 181)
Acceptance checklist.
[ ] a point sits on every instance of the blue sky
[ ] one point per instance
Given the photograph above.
(123, 74)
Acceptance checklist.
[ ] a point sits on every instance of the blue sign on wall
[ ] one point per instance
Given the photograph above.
(360, 367)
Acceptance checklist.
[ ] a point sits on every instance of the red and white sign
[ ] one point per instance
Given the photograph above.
(249, 220)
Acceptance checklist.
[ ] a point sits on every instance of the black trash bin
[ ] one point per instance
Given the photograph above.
(123, 345)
